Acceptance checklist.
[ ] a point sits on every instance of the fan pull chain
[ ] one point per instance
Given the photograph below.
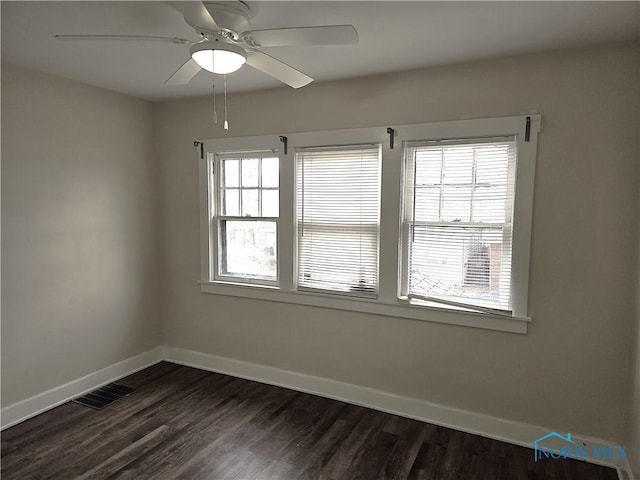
(226, 122)
(213, 89)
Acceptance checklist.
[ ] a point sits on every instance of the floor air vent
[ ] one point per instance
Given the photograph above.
(103, 396)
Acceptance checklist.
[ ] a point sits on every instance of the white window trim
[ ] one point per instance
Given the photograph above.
(388, 302)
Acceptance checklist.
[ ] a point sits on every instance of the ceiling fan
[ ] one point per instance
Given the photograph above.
(226, 43)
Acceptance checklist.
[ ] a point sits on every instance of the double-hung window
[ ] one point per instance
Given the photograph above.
(457, 222)
(246, 220)
(338, 214)
(425, 221)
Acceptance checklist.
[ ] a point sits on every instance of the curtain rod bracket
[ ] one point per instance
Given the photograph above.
(391, 133)
(284, 140)
(201, 145)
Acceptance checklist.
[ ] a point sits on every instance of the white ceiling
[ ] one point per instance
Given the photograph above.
(394, 36)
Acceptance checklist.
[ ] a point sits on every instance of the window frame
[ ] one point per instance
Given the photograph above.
(408, 223)
(389, 301)
(216, 202)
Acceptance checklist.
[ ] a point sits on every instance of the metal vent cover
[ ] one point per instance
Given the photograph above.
(103, 396)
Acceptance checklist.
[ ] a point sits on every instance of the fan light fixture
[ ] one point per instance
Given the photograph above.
(218, 57)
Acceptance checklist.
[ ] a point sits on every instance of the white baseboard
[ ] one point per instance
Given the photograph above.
(625, 472)
(508, 431)
(20, 411)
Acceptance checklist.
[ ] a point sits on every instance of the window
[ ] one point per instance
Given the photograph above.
(247, 216)
(434, 226)
(338, 213)
(458, 222)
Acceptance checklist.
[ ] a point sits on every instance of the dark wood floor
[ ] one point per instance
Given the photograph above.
(184, 423)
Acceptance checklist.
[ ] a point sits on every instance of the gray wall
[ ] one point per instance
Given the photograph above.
(81, 252)
(632, 437)
(632, 433)
(571, 371)
(79, 227)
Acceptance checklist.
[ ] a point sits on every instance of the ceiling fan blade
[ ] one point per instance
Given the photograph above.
(184, 74)
(277, 69)
(299, 36)
(196, 15)
(138, 38)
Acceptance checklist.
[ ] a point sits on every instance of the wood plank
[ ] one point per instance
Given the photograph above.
(411, 436)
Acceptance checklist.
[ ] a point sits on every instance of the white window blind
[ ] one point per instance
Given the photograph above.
(458, 222)
(338, 211)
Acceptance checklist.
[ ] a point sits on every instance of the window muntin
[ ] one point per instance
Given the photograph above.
(338, 215)
(247, 212)
(458, 210)
(249, 186)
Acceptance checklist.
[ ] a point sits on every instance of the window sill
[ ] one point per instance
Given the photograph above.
(365, 305)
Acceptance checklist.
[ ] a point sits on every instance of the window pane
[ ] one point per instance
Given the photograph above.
(250, 172)
(458, 164)
(250, 203)
(231, 205)
(231, 173)
(339, 258)
(492, 165)
(249, 249)
(428, 166)
(456, 204)
(427, 207)
(454, 262)
(270, 201)
(489, 204)
(270, 172)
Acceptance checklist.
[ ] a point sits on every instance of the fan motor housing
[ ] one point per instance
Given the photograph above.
(232, 17)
